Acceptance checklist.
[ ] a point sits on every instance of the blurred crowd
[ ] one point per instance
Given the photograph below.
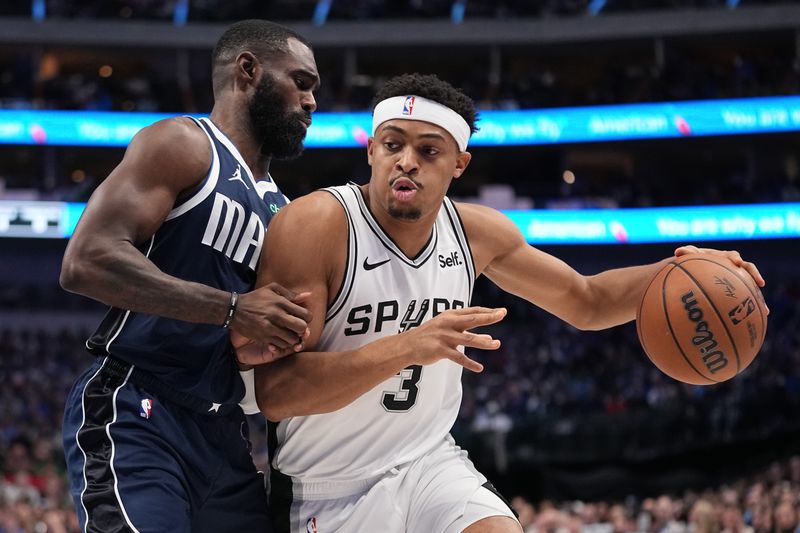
(767, 502)
(217, 10)
(82, 81)
(37, 370)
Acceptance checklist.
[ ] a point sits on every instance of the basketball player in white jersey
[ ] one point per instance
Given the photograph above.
(362, 436)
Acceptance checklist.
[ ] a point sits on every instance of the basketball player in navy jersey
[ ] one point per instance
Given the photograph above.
(154, 437)
(362, 436)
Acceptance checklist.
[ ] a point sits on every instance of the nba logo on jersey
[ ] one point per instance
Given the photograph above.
(408, 105)
(146, 406)
(311, 525)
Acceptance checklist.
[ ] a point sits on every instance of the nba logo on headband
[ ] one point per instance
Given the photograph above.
(420, 108)
(408, 105)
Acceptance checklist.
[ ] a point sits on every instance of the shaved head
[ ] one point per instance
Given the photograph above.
(261, 37)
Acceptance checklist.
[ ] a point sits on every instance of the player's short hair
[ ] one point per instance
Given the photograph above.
(431, 87)
(261, 37)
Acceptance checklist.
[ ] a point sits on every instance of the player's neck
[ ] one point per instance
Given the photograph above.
(234, 123)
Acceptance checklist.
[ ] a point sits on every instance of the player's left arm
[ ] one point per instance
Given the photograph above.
(587, 302)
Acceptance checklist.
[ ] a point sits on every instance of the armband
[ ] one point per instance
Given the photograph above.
(231, 310)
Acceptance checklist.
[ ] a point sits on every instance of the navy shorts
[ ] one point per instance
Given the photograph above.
(138, 462)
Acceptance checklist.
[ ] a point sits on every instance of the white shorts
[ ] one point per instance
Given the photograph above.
(441, 492)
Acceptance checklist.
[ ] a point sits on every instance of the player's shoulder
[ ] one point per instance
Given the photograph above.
(472, 210)
(315, 227)
(175, 146)
(320, 202)
(318, 211)
(483, 223)
(176, 132)
(479, 216)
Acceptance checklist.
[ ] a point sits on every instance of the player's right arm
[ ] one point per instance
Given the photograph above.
(590, 302)
(305, 251)
(103, 260)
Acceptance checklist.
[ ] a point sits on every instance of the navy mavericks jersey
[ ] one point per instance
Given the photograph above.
(213, 237)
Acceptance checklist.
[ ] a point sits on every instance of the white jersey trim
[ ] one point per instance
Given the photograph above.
(267, 185)
(221, 137)
(387, 241)
(78, 442)
(114, 452)
(128, 312)
(463, 241)
(350, 261)
(208, 186)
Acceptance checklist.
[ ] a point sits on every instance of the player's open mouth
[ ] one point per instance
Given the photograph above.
(404, 189)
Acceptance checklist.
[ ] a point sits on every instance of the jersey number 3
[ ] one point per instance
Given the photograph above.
(406, 397)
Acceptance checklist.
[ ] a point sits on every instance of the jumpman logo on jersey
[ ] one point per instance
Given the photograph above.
(237, 175)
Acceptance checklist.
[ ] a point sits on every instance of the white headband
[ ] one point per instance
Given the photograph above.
(419, 108)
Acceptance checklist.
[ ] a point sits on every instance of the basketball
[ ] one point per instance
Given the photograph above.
(702, 319)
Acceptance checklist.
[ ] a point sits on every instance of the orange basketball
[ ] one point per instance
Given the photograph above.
(702, 319)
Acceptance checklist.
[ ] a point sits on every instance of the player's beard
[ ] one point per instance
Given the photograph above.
(279, 131)
(406, 213)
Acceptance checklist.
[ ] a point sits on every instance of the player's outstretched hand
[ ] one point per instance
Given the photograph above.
(734, 256)
(270, 323)
(440, 337)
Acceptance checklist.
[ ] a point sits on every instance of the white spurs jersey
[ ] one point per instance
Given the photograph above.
(384, 292)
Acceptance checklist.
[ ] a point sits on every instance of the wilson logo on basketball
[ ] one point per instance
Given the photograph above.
(714, 359)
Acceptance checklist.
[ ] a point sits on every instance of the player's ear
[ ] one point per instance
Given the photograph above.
(247, 66)
(462, 161)
(370, 147)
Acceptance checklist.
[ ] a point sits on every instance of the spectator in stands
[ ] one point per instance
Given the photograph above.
(762, 517)
(526, 512)
(620, 519)
(732, 520)
(786, 520)
(492, 426)
(549, 519)
(665, 518)
(702, 518)
(21, 483)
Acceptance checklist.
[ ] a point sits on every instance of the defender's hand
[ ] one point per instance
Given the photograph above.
(440, 337)
(250, 353)
(270, 322)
